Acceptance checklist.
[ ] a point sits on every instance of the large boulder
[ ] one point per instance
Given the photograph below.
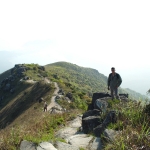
(97, 96)
(94, 112)
(110, 118)
(110, 134)
(100, 105)
(98, 130)
(89, 123)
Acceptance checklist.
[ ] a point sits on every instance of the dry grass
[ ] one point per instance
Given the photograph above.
(134, 126)
(40, 129)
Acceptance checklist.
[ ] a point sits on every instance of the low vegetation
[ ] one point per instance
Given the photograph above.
(133, 126)
(42, 129)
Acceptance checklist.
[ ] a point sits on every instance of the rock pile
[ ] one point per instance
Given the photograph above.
(92, 122)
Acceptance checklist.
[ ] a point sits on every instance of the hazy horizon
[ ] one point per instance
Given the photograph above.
(95, 34)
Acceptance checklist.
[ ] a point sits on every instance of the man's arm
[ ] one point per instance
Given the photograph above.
(119, 80)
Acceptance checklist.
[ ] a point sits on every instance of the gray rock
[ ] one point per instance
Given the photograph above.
(46, 146)
(97, 96)
(110, 134)
(64, 146)
(76, 123)
(89, 123)
(94, 112)
(66, 132)
(25, 145)
(80, 140)
(101, 105)
(98, 130)
(96, 145)
(110, 118)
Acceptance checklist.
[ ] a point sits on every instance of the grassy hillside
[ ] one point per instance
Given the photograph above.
(21, 115)
(86, 79)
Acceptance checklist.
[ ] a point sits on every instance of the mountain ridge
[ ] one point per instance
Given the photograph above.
(96, 74)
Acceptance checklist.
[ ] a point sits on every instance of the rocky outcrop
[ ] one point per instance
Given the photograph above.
(92, 121)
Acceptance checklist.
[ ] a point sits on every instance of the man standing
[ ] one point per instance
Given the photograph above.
(114, 81)
(45, 106)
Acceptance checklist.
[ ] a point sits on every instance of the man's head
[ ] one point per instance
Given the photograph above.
(113, 70)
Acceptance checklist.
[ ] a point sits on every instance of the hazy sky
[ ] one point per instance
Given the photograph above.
(96, 34)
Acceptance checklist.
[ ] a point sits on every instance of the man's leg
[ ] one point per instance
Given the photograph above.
(112, 94)
(116, 93)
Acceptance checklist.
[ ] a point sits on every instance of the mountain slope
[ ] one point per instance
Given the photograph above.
(21, 114)
(87, 79)
(17, 94)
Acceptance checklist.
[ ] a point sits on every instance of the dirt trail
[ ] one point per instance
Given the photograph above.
(53, 102)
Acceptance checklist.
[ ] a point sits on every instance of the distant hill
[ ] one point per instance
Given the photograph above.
(87, 79)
